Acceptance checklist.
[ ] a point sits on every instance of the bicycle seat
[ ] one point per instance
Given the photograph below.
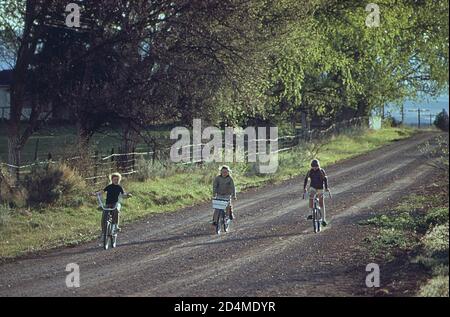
(110, 207)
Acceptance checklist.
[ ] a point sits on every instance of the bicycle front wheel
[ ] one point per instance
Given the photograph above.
(106, 235)
(316, 221)
(113, 236)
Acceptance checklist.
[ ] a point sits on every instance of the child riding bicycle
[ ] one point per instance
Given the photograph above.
(223, 188)
(319, 180)
(113, 192)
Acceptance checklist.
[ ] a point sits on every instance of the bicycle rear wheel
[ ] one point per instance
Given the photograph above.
(226, 222)
(220, 221)
(106, 235)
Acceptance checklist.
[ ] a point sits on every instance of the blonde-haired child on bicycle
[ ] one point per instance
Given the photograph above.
(113, 192)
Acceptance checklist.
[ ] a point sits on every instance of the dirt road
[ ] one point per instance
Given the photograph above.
(271, 250)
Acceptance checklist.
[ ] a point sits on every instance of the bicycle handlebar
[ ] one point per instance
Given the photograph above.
(108, 209)
(329, 195)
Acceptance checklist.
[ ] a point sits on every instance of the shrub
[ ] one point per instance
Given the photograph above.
(10, 192)
(440, 270)
(79, 160)
(146, 169)
(442, 121)
(437, 240)
(391, 122)
(436, 287)
(50, 183)
(437, 152)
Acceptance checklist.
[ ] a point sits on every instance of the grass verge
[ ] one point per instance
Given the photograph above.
(419, 228)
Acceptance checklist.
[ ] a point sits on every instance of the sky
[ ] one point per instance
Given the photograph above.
(431, 106)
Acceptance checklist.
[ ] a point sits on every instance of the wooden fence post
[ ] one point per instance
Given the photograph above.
(154, 153)
(112, 161)
(119, 159)
(36, 148)
(95, 166)
(133, 159)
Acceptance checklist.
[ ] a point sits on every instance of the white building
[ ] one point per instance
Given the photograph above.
(5, 81)
(5, 99)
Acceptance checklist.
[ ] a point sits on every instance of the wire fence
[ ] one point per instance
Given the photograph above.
(98, 166)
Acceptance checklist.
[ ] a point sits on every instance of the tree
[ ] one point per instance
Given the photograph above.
(21, 26)
(334, 67)
(441, 120)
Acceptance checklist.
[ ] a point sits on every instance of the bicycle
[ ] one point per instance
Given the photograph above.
(223, 220)
(109, 229)
(317, 213)
(109, 234)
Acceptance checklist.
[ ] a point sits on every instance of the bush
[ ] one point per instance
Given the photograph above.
(436, 287)
(391, 122)
(437, 240)
(437, 152)
(146, 169)
(79, 160)
(54, 182)
(440, 270)
(10, 193)
(441, 121)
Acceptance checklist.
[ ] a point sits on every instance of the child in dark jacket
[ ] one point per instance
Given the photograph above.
(319, 182)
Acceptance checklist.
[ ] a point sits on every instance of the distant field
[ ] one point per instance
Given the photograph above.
(59, 141)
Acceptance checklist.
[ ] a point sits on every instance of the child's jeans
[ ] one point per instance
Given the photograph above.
(115, 216)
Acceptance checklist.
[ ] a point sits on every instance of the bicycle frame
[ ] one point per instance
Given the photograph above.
(317, 214)
(223, 219)
(317, 211)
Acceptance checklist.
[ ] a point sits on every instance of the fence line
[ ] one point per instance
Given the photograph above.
(126, 154)
(102, 168)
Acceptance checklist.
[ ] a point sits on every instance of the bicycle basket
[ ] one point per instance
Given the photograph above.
(220, 203)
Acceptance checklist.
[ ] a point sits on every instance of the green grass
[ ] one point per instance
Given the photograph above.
(419, 223)
(171, 190)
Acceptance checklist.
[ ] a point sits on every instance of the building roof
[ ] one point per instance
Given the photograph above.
(6, 77)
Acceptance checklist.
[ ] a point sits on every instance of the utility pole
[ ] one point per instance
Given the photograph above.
(403, 114)
(419, 111)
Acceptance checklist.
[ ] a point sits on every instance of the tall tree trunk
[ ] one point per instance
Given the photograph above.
(363, 110)
(27, 47)
(15, 144)
(14, 151)
(83, 135)
(128, 144)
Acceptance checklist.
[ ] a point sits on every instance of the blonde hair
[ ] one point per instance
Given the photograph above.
(115, 175)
